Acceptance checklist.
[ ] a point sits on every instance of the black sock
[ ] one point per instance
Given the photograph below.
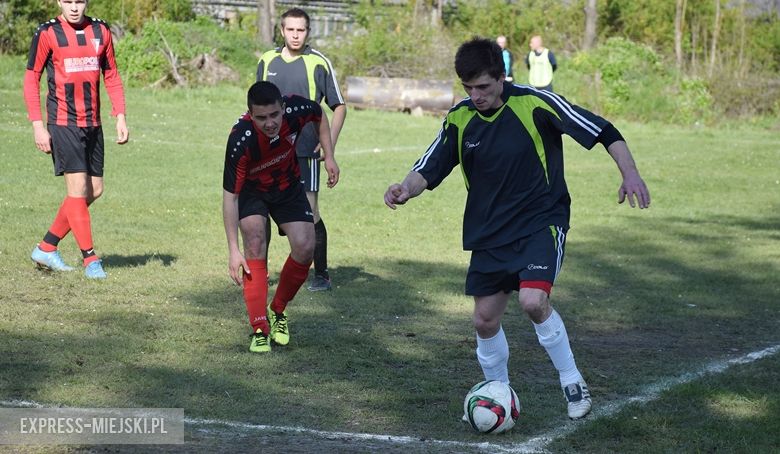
(321, 250)
(52, 239)
(267, 235)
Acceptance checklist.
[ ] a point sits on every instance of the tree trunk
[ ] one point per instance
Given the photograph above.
(264, 22)
(694, 44)
(436, 13)
(741, 61)
(679, 24)
(591, 20)
(714, 43)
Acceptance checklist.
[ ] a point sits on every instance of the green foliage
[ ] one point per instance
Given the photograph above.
(19, 18)
(134, 14)
(619, 78)
(393, 42)
(560, 23)
(763, 45)
(694, 102)
(645, 21)
(18, 21)
(142, 58)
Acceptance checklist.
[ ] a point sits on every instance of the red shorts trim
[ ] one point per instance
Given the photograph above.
(541, 285)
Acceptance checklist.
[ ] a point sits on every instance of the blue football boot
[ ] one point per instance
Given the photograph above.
(49, 260)
(95, 270)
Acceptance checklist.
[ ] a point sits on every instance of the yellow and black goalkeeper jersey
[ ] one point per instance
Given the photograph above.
(309, 75)
(512, 162)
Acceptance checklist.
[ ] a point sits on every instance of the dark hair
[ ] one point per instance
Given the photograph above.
(263, 93)
(477, 57)
(296, 12)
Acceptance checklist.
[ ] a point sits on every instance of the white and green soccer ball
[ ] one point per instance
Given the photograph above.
(491, 407)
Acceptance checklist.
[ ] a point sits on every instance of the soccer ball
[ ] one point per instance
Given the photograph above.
(491, 407)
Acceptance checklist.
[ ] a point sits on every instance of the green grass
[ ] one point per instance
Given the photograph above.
(646, 295)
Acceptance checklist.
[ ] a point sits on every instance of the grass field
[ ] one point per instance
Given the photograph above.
(647, 297)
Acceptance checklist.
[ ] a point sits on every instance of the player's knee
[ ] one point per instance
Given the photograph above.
(254, 246)
(485, 325)
(534, 303)
(303, 248)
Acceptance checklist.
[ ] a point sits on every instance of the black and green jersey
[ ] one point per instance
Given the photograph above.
(512, 162)
(309, 75)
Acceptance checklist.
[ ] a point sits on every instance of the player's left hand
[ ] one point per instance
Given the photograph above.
(333, 171)
(634, 187)
(122, 133)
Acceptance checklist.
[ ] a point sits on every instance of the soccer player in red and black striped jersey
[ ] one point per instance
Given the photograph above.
(298, 69)
(261, 180)
(75, 50)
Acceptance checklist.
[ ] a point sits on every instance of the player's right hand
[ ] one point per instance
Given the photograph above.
(396, 194)
(42, 137)
(236, 262)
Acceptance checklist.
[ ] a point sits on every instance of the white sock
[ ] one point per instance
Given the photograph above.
(553, 337)
(493, 356)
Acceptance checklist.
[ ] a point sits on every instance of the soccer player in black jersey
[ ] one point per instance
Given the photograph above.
(508, 141)
(262, 180)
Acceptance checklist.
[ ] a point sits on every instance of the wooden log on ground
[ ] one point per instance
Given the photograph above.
(400, 94)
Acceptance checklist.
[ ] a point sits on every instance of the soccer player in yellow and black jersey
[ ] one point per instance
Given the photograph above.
(297, 69)
(75, 50)
(261, 180)
(507, 140)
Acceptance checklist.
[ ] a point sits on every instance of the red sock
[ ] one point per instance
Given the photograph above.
(78, 218)
(256, 294)
(290, 280)
(59, 228)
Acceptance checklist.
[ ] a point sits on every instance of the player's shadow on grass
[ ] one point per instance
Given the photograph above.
(130, 261)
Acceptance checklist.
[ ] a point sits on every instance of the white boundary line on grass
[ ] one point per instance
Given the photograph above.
(536, 444)
(649, 393)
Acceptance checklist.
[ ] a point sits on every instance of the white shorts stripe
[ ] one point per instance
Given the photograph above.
(310, 174)
(561, 241)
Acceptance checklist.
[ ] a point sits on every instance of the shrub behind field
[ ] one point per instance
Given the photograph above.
(142, 57)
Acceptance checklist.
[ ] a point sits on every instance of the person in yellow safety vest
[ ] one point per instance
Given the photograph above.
(541, 64)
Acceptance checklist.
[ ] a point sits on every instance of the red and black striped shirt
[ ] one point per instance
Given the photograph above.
(260, 164)
(74, 56)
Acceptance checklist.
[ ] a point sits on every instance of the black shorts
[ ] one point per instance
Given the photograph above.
(537, 257)
(310, 173)
(76, 149)
(290, 205)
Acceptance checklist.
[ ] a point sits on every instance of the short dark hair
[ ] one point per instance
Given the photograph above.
(477, 57)
(296, 12)
(263, 93)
